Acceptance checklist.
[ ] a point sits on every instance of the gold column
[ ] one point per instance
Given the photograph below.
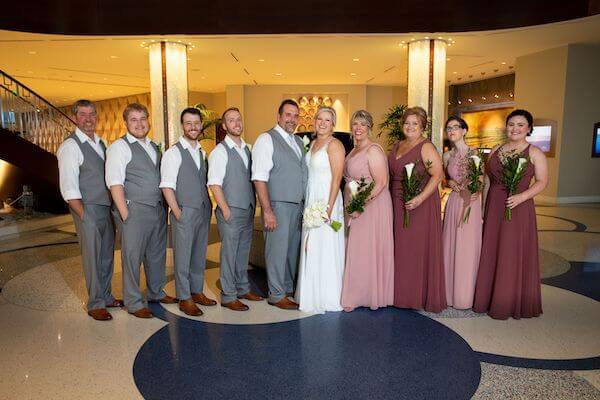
(426, 82)
(168, 89)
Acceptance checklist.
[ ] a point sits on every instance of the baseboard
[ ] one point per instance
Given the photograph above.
(552, 200)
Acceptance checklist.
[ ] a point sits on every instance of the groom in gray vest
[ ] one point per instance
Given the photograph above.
(280, 174)
(132, 175)
(230, 165)
(183, 182)
(81, 171)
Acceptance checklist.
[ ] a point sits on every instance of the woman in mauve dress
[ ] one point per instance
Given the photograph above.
(419, 266)
(508, 281)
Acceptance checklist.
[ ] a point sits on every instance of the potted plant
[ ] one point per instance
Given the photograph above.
(392, 124)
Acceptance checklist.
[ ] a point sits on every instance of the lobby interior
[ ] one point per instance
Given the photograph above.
(545, 61)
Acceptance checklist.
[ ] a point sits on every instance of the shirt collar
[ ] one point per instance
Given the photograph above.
(83, 137)
(187, 146)
(282, 132)
(133, 139)
(231, 144)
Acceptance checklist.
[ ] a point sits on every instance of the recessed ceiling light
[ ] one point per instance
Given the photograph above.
(448, 59)
(189, 59)
(352, 73)
(503, 63)
(105, 79)
(439, 37)
(454, 72)
(356, 59)
(32, 52)
(202, 77)
(404, 41)
(113, 57)
(261, 60)
(278, 73)
(426, 37)
(470, 101)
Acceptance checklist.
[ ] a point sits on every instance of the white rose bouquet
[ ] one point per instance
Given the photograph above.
(315, 216)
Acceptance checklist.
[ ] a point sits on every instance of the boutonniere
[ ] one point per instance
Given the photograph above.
(161, 146)
(249, 146)
(306, 142)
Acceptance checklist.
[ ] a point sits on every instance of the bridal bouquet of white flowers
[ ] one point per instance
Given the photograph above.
(315, 215)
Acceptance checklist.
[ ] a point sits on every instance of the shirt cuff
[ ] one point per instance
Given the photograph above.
(260, 177)
(215, 181)
(72, 195)
(115, 183)
(168, 185)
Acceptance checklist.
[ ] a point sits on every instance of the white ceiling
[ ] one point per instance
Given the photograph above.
(62, 68)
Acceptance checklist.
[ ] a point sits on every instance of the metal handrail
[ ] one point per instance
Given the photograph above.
(29, 115)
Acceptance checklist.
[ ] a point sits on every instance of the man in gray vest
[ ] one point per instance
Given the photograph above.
(132, 175)
(280, 174)
(183, 183)
(229, 179)
(81, 173)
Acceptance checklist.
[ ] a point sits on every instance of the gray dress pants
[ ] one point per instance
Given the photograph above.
(236, 238)
(190, 240)
(143, 239)
(96, 236)
(282, 249)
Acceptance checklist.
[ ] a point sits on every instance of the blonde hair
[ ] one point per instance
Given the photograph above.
(363, 115)
(330, 110)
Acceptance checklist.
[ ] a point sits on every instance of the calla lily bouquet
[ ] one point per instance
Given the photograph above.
(474, 181)
(513, 169)
(315, 216)
(360, 191)
(411, 186)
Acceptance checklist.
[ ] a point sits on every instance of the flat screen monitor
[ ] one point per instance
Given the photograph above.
(544, 135)
(596, 140)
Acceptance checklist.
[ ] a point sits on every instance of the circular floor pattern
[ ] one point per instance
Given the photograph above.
(384, 354)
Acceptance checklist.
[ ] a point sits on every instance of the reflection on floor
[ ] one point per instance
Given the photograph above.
(51, 349)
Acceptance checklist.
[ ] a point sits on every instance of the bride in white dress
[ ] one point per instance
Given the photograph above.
(322, 254)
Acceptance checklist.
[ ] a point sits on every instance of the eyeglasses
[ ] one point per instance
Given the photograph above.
(452, 128)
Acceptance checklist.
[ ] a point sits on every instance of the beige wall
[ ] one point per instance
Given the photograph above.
(540, 89)
(579, 172)
(260, 103)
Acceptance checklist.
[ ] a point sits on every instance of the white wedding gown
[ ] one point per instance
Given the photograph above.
(322, 254)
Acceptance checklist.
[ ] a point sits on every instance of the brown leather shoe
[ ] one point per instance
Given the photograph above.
(116, 303)
(100, 314)
(143, 313)
(285, 304)
(200, 298)
(251, 296)
(190, 308)
(236, 305)
(165, 300)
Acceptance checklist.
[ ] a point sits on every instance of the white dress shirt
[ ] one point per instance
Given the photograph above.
(118, 155)
(217, 161)
(70, 159)
(262, 153)
(171, 161)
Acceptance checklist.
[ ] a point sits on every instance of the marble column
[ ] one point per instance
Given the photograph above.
(426, 83)
(168, 90)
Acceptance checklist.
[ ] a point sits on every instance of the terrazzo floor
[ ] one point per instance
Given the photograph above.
(51, 349)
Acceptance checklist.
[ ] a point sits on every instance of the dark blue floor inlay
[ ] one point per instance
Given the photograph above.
(583, 278)
(578, 364)
(384, 354)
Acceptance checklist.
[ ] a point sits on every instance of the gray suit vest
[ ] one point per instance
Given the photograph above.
(142, 177)
(191, 182)
(287, 180)
(237, 184)
(91, 175)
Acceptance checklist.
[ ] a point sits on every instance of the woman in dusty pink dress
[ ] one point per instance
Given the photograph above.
(369, 272)
(461, 239)
(508, 281)
(419, 266)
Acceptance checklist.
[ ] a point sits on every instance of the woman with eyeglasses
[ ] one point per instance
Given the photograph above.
(462, 220)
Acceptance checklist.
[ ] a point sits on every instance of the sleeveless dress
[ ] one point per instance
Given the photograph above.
(508, 282)
(461, 241)
(419, 266)
(369, 273)
(322, 249)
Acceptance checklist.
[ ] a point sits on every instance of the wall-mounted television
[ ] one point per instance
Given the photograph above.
(544, 135)
(596, 140)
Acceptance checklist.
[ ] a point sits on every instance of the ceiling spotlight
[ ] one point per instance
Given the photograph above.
(32, 52)
(114, 57)
(261, 60)
(448, 59)
(352, 73)
(483, 98)
(426, 37)
(278, 74)
(454, 72)
(459, 102)
(496, 96)
(503, 63)
(470, 101)
(356, 59)
(439, 37)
